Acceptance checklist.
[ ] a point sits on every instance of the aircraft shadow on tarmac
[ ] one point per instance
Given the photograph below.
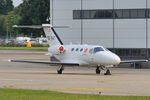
(52, 73)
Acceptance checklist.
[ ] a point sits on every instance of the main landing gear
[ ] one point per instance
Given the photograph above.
(107, 72)
(99, 68)
(59, 71)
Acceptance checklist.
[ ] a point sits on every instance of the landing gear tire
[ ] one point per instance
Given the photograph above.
(107, 72)
(60, 70)
(98, 71)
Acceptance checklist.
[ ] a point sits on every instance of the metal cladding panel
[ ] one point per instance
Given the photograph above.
(98, 32)
(63, 16)
(71, 34)
(130, 33)
(63, 9)
(97, 4)
(148, 2)
(122, 4)
(149, 33)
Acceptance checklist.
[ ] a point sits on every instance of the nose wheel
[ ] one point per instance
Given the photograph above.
(59, 71)
(99, 68)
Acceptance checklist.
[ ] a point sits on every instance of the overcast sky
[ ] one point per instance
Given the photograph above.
(17, 2)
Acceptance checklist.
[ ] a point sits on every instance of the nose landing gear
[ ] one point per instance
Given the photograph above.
(99, 68)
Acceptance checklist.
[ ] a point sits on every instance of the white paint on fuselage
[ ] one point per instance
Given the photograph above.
(103, 58)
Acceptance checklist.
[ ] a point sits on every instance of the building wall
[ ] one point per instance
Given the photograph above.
(127, 37)
(98, 31)
(148, 33)
(119, 4)
(97, 4)
(128, 33)
(148, 25)
(63, 16)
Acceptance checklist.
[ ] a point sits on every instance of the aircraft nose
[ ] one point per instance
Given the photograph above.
(117, 60)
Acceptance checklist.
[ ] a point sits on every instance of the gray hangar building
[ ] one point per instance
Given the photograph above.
(123, 26)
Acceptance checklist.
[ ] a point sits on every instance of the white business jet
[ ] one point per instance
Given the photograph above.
(75, 55)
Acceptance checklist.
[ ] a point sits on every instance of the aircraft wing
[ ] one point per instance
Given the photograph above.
(46, 62)
(133, 61)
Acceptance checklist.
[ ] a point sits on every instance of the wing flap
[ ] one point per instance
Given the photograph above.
(46, 62)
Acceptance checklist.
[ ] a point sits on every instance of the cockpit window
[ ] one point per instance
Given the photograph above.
(98, 49)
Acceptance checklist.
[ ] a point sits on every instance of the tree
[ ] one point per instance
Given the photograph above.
(2, 25)
(12, 19)
(6, 6)
(33, 12)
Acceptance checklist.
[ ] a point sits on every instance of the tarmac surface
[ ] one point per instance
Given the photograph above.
(123, 81)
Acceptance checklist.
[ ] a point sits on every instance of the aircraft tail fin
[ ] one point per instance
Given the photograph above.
(52, 36)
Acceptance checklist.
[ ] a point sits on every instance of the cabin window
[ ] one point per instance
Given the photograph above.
(72, 49)
(81, 49)
(77, 49)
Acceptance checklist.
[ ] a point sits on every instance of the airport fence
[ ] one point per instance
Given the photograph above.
(14, 43)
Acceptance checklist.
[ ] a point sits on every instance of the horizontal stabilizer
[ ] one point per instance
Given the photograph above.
(38, 26)
(28, 26)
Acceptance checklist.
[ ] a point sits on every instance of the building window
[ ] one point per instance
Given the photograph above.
(86, 14)
(126, 13)
(93, 14)
(110, 14)
(99, 14)
(141, 13)
(118, 13)
(131, 53)
(133, 13)
(77, 14)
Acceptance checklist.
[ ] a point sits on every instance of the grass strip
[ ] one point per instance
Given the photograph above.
(21, 94)
(23, 48)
